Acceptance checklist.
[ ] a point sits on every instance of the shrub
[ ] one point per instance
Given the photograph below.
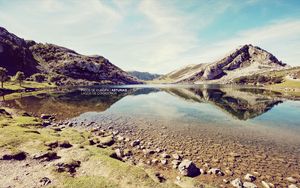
(39, 77)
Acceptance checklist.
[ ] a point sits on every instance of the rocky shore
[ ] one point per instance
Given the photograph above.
(172, 156)
(213, 160)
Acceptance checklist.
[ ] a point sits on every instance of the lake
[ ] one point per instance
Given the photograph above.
(204, 122)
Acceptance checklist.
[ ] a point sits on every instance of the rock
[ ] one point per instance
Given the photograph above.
(45, 181)
(165, 155)
(175, 163)
(202, 171)
(26, 114)
(154, 161)
(215, 171)
(46, 156)
(57, 129)
(225, 181)
(52, 144)
(19, 156)
(108, 140)
(291, 180)
(250, 177)
(176, 156)
(119, 153)
(188, 168)
(164, 161)
(46, 123)
(160, 177)
(120, 138)
(65, 144)
(158, 150)
(46, 116)
(292, 186)
(135, 143)
(235, 155)
(229, 172)
(92, 142)
(249, 185)
(237, 183)
(148, 151)
(68, 166)
(265, 184)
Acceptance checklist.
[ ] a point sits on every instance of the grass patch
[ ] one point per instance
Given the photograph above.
(288, 84)
(26, 84)
(88, 182)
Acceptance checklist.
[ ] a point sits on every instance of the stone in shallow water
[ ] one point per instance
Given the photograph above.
(266, 184)
(188, 168)
(250, 177)
(216, 171)
(249, 185)
(237, 183)
(135, 143)
(292, 186)
(291, 180)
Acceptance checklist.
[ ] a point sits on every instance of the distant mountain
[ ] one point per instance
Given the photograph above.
(143, 75)
(244, 61)
(17, 54)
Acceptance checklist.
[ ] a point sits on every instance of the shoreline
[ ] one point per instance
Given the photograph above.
(159, 144)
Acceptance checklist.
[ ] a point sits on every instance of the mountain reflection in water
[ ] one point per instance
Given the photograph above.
(239, 103)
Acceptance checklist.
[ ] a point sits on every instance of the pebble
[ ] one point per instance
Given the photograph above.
(237, 183)
(250, 177)
(215, 171)
(292, 186)
(135, 143)
(249, 185)
(291, 180)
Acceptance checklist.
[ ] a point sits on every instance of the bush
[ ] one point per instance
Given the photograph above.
(39, 77)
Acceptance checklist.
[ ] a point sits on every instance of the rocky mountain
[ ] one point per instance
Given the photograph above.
(144, 75)
(244, 61)
(17, 54)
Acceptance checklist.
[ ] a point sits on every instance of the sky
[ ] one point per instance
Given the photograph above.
(158, 36)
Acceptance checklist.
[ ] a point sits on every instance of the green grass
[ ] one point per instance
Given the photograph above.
(88, 182)
(288, 84)
(26, 84)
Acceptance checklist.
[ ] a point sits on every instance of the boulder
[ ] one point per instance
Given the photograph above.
(188, 168)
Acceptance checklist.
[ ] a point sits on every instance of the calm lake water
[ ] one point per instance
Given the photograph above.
(209, 105)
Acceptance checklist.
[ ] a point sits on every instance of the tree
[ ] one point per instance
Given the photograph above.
(20, 77)
(3, 76)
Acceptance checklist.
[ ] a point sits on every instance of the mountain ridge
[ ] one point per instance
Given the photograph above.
(17, 54)
(246, 60)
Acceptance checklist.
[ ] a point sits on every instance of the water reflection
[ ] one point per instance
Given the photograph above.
(239, 103)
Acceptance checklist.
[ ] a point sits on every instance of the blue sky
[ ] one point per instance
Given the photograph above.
(158, 36)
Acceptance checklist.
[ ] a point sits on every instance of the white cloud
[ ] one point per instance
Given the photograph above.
(147, 35)
(282, 38)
